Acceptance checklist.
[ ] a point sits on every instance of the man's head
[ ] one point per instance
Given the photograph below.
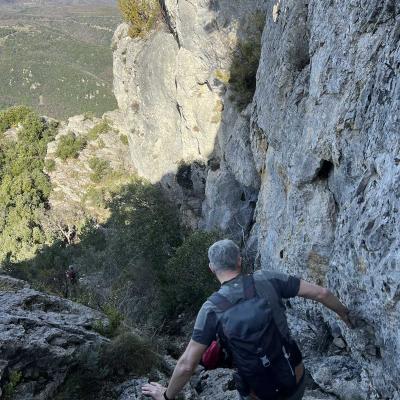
(224, 256)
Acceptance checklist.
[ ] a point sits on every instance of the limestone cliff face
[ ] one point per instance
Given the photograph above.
(171, 91)
(327, 102)
(316, 154)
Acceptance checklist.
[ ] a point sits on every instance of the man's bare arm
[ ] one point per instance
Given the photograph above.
(185, 367)
(325, 297)
(183, 371)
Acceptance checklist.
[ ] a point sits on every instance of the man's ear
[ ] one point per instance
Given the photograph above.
(211, 267)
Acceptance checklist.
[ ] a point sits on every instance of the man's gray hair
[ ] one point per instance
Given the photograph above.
(224, 255)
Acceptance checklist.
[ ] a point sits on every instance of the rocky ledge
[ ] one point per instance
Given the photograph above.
(40, 335)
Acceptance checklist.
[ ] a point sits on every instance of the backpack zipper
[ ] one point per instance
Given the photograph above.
(265, 361)
(287, 359)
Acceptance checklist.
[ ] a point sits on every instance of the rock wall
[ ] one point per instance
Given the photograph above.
(327, 102)
(316, 154)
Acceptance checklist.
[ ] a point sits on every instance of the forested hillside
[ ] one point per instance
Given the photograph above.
(56, 56)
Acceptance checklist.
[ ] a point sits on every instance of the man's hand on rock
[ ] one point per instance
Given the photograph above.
(345, 317)
(154, 390)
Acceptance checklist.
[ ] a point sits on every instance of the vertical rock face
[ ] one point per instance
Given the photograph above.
(317, 153)
(170, 89)
(327, 102)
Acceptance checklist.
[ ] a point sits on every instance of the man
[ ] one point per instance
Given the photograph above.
(71, 281)
(217, 317)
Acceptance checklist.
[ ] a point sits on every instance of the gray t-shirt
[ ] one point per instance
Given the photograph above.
(273, 285)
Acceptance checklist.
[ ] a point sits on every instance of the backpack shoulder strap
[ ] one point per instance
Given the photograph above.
(249, 288)
(220, 301)
(268, 291)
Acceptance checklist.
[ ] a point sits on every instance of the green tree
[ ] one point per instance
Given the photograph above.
(24, 188)
(187, 281)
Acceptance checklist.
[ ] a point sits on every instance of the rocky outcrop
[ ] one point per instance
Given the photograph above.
(40, 336)
(316, 154)
(170, 89)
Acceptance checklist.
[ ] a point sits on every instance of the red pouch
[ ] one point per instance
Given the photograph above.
(213, 356)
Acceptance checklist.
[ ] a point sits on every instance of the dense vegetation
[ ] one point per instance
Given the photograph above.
(142, 251)
(141, 15)
(24, 187)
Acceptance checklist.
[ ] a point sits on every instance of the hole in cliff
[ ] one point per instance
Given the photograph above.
(243, 197)
(214, 164)
(281, 254)
(325, 170)
(184, 176)
(386, 287)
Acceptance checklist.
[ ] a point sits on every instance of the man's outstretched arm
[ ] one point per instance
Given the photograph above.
(325, 297)
(182, 373)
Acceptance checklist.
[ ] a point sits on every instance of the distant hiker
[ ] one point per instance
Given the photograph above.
(71, 276)
(247, 315)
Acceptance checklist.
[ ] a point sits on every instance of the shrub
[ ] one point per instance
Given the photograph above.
(101, 168)
(114, 321)
(88, 115)
(187, 281)
(129, 353)
(13, 116)
(50, 165)
(124, 139)
(223, 76)
(14, 379)
(101, 128)
(100, 367)
(70, 146)
(141, 15)
(245, 64)
(97, 197)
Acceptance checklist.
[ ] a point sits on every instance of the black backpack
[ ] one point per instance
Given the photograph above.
(261, 354)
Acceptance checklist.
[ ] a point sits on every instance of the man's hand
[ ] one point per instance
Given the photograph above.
(154, 390)
(346, 319)
(181, 375)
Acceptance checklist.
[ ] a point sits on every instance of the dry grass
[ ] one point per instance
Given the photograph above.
(141, 15)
